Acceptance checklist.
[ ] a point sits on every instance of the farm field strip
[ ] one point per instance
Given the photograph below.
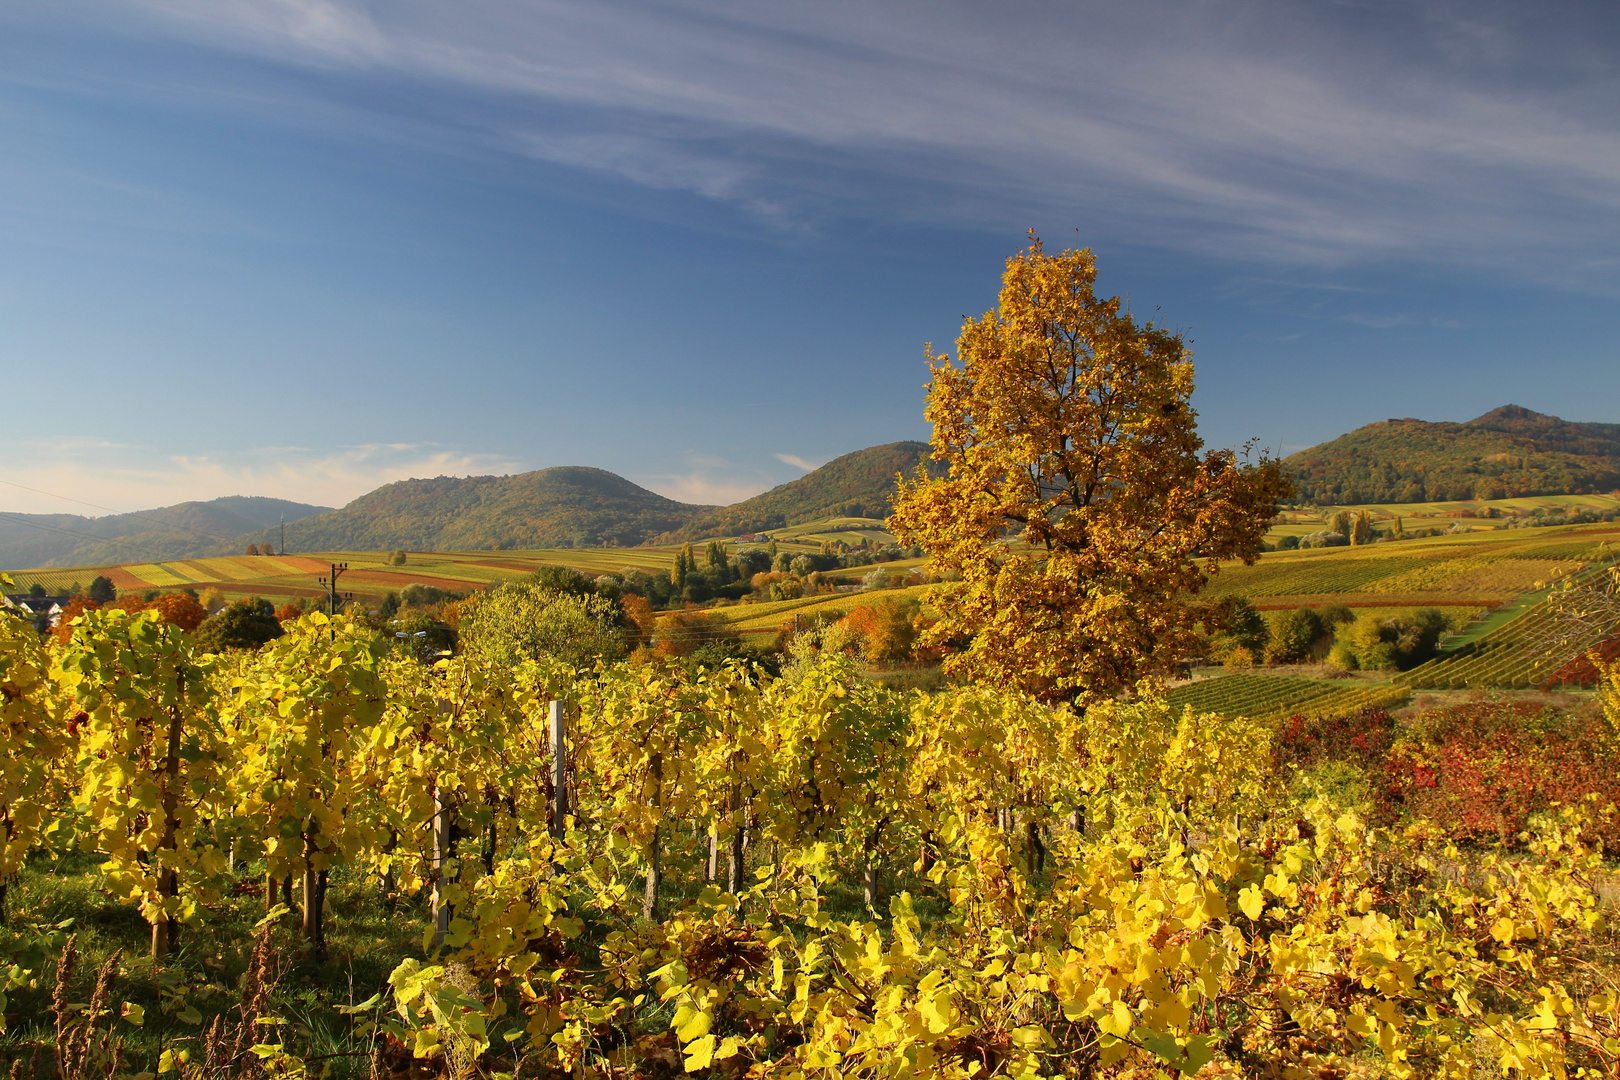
(1375, 601)
(157, 575)
(1517, 654)
(1492, 567)
(54, 581)
(770, 615)
(225, 570)
(1273, 698)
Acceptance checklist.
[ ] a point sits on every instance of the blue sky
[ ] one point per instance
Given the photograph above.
(301, 248)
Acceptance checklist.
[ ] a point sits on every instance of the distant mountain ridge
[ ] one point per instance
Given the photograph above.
(1510, 452)
(860, 484)
(183, 531)
(561, 507)
(577, 506)
(565, 506)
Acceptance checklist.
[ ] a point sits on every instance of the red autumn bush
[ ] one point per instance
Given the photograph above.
(1364, 737)
(1480, 770)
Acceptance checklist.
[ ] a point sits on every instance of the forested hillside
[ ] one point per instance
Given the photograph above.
(855, 485)
(1507, 453)
(567, 506)
(182, 531)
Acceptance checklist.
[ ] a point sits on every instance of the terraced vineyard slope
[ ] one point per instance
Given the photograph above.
(1271, 698)
(1542, 648)
(1478, 570)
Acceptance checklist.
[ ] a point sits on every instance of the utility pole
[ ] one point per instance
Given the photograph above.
(330, 584)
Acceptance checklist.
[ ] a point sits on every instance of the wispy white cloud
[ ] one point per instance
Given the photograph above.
(708, 480)
(1250, 128)
(796, 461)
(123, 477)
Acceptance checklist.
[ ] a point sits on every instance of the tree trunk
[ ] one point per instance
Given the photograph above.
(655, 869)
(169, 883)
(312, 912)
(655, 876)
(441, 859)
(389, 886)
(320, 915)
(734, 868)
(1034, 850)
(559, 772)
(712, 868)
(869, 872)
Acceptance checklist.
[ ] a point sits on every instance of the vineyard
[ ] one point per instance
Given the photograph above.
(1543, 648)
(643, 872)
(1464, 570)
(371, 575)
(1267, 699)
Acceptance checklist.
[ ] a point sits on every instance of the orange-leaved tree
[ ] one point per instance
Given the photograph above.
(1080, 508)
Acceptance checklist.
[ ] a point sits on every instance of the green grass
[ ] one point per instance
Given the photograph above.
(366, 940)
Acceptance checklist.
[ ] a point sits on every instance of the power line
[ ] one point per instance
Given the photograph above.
(54, 528)
(116, 513)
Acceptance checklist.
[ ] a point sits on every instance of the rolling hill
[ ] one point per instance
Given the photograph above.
(564, 507)
(574, 506)
(1509, 452)
(855, 485)
(184, 530)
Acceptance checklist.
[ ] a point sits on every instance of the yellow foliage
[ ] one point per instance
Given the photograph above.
(1077, 499)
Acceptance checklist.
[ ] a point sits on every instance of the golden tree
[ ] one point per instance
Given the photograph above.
(1080, 511)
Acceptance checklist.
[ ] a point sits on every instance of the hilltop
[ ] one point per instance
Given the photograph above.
(858, 485)
(1509, 452)
(564, 507)
(575, 507)
(182, 531)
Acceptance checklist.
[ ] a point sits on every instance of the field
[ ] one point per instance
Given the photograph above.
(370, 576)
(1478, 570)
(1270, 698)
(1441, 514)
(1489, 582)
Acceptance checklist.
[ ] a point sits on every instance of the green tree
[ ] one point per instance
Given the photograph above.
(527, 620)
(1237, 624)
(102, 591)
(242, 624)
(1361, 528)
(717, 566)
(1293, 635)
(1080, 509)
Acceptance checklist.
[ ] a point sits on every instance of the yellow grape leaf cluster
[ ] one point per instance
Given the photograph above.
(970, 883)
(34, 746)
(149, 751)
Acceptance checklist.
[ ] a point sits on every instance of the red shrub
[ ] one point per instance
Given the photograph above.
(1583, 670)
(1364, 737)
(1480, 770)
